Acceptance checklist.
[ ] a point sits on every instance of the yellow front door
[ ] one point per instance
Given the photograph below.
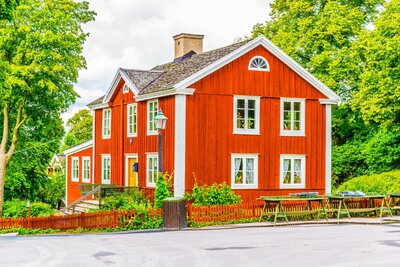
(132, 176)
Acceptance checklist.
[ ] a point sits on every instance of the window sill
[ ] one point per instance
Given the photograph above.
(244, 186)
(105, 182)
(295, 134)
(153, 185)
(131, 135)
(106, 137)
(75, 180)
(86, 181)
(152, 133)
(289, 186)
(246, 133)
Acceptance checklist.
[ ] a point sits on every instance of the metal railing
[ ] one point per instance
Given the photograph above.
(94, 191)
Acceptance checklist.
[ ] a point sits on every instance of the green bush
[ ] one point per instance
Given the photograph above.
(17, 209)
(215, 194)
(55, 189)
(163, 189)
(376, 183)
(132, 200)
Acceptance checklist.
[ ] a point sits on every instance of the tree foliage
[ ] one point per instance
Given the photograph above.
(41, 44)
(80, 129)
(379, 48)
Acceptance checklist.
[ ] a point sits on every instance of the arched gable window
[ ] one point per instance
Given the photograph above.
(259, 63)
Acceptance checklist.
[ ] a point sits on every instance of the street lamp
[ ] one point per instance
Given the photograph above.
(160, 121)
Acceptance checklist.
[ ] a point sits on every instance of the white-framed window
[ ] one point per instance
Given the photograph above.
(152, 109)
(105, 169)
(246, 115)
(106, 123)
(75, 169)
(131, 120)
(125, 89)
(292, 117)
(258, 63)
(244, 171)
(293, 171)
(151, 170)
(86, 169)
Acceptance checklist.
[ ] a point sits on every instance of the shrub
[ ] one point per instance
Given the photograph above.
(55, 190)
(17, 209)
(163, 189)
(132, 200)
(376, 183)
(215, 194)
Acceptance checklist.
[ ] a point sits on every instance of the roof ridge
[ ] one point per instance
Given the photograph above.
(151, 70)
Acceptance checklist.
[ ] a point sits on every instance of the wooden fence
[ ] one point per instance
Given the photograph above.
(104, 219)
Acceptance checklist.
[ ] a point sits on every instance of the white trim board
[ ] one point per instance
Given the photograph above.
(328, 149)
(120, 74)
(77, 148)
(180, 146)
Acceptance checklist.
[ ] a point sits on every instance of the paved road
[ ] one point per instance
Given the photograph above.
(317, 245)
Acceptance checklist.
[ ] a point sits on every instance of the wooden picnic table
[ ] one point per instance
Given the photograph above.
(394, 201)
(343, 209)
(279, 210)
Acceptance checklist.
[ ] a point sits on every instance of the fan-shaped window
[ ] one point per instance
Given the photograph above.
(259, 63)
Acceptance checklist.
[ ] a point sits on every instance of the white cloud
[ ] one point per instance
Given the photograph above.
(138, 34)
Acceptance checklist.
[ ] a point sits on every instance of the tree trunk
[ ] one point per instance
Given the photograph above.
(3, 166)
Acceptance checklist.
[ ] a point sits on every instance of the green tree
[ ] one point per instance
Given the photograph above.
(319, 34)
(80, 129)
(379, 48)
(41, 44)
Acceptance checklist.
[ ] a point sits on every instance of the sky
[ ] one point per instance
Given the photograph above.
(138, 34)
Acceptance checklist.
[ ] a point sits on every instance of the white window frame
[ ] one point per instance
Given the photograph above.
(300, 132)
(154, 131)
(302, 185)
(256, 130)
(153, 156)
(104, 124)
(85, 180)
(259, 69)
(134, 120)
(125, 89)
(74, 178)
(244, 157)
(103, 157)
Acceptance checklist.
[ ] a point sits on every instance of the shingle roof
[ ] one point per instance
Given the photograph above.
(97, 101)
(164, 77)
(172, 73)
(142, 78)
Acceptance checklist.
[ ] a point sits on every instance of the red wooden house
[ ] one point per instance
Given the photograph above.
(245, 114)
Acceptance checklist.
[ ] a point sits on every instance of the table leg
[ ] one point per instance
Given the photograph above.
(263, 211)
(347, 210)
(283, 212)
(339, 209)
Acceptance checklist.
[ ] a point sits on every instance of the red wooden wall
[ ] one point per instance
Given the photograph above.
(119, 144)
(73, 192)
(209, 126)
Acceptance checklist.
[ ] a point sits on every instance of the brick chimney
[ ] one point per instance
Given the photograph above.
(186, 42)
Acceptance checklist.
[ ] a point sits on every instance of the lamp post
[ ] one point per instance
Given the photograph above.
(160, 121)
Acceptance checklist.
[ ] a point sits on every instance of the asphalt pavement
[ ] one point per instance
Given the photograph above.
(301, 245)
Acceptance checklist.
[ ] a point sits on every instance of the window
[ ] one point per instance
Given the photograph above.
(106, 123)
(259, 63)
(86, 169)
(293, 171)
(246, 115)
(244, 171)
(152, 169)
(152, 108)
(292, 117)
(75, 169)
(106, 169)
(126, 89)
(132, 120)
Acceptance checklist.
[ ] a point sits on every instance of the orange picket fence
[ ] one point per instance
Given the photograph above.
(226, 213)
(103, 219)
